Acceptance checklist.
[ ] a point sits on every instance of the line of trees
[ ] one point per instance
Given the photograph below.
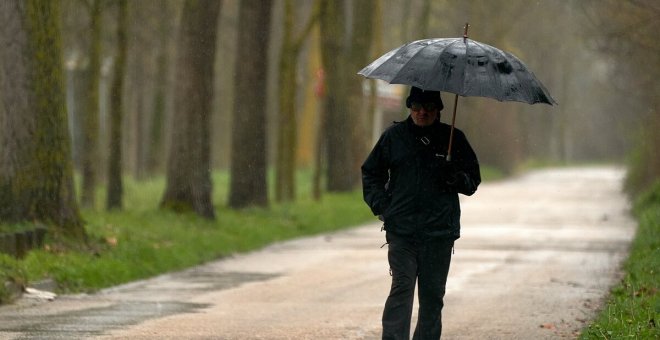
(189, 157)
(112, 87)
(627, 33)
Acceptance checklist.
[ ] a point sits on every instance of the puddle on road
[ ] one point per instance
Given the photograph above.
(210, 280)
(97, 321)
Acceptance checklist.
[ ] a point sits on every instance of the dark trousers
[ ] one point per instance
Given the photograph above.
(411, 260)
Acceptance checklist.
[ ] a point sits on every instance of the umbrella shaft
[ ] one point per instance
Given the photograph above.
(451, 132)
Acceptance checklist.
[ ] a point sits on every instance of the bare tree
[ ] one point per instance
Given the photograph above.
(337, 121)
(189, 171)
(36, 175)
(358, 57)
(160, 99)
(115, 185)
(287, 125)
(248, 151)
(90, 117)
(141, 82)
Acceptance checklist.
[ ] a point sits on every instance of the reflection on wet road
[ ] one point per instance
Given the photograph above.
(83, 316)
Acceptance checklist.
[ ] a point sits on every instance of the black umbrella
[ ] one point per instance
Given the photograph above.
(461, 66)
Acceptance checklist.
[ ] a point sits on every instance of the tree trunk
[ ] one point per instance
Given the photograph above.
(287, 132)
(374, 119)
(340, 171)
(36, 175)
(248, 154)
(156, 140)
(286, 129)
(361, 39)
(115, 185)
(138, 121)
(317, 175)
(188, 172)
(90, 116)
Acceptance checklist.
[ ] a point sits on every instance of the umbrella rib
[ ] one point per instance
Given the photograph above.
(500, 87)
(377, 66)
(411, 58)
(457, 40)
(415, 55)
(532, 95)
(515, 74)
(465, 69)
(385, 58)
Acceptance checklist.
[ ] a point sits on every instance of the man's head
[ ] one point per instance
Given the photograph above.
(425, 106)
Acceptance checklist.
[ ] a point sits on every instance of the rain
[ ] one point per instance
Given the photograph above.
(142, 142)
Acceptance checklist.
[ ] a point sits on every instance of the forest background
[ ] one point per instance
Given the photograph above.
(267, 90)
(597, 58)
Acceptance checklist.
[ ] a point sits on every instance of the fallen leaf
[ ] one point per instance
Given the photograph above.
(111, 240)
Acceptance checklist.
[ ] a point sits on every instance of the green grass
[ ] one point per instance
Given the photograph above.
(633, 308)
(10, 272)
(143, 240)
(19, 227)
(491, 173)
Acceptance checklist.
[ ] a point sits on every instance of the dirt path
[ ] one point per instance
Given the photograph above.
(536, 257)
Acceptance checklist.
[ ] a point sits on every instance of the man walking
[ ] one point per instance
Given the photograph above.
(409, 183)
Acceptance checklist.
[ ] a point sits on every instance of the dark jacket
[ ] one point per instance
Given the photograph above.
(408, 181)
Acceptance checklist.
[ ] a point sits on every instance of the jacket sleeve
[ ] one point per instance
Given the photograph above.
(375, 176)
(468, 175)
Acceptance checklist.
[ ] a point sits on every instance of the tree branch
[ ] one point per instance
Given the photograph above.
(313, 19)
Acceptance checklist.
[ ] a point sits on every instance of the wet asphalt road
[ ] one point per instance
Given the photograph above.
(536, 257)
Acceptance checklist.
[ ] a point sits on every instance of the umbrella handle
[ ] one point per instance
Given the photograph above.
(451, 132)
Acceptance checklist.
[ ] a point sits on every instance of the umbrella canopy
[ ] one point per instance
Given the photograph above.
(461, 66)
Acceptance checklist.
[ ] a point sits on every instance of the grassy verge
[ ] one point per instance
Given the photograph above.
(10, 273)
(633, 309)
(142, 240)
(136, 244)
